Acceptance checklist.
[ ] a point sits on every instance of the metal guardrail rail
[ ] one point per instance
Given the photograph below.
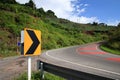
(66, 73)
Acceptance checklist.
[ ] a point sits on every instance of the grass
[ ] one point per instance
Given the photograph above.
(36, 76)
(56, 32)
(8, 45)
(107, 49)
(7, 53)
(49, 76)
(53, 35)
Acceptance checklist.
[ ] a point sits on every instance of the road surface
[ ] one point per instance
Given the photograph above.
(12, 67)
(87, 58)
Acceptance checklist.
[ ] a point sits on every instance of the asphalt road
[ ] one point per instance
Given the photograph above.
(87, 58)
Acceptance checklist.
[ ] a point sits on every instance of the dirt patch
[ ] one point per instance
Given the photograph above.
(20, 63)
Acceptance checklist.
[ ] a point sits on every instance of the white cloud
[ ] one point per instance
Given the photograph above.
(85, 5)
(65, 9)
(81, 10)
(62, 8)
(113, 22)
(83, 19)
(81, 4)
(22, 1)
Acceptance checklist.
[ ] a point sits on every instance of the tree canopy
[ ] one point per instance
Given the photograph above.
(8, 1)
(30, 4)
(118, 25)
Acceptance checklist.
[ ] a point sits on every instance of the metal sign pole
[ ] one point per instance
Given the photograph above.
(29, 68)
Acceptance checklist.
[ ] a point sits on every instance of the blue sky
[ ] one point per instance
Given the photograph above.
(105, 10)
(83, 11)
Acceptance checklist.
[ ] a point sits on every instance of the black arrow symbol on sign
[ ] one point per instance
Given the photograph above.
(35, 42)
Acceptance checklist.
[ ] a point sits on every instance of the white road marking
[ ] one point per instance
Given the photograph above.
(90, 67)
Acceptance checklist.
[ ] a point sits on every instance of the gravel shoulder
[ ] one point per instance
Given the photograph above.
(11, 67)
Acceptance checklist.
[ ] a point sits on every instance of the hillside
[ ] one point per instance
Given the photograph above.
(56, 32)
(113, 43)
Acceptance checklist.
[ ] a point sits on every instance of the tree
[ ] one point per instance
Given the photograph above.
(102, 24)
(50, 13)
(41, 11)
(118, 25)
(30, 4)
(8, 1)
(94, 23)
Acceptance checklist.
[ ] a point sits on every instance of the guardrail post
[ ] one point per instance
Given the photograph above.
(41, 71)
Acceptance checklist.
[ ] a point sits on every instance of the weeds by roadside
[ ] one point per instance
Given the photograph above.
(36, 76)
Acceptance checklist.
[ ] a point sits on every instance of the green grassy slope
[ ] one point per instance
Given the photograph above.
(113, 43)
(56, 32)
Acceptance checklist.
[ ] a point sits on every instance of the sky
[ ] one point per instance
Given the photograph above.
(82, 11)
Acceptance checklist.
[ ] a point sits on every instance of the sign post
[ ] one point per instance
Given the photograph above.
(29, 68)
(30, 45)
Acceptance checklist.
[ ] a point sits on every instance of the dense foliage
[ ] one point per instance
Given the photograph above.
(36, 76)
(56, 32)
(114, 39)
(8, 1)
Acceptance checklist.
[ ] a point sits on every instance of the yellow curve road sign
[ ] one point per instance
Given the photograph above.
(32, 42)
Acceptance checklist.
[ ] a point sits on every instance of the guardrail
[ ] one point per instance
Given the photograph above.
(66, 73)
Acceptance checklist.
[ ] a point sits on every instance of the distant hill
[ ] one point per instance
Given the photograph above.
(56, 32)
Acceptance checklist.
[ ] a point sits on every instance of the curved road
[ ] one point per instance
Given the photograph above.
(87, 58)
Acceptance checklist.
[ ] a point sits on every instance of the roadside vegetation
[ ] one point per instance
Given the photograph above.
(36, 76)
(109, 50)
(56, 32)
(113, 43)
